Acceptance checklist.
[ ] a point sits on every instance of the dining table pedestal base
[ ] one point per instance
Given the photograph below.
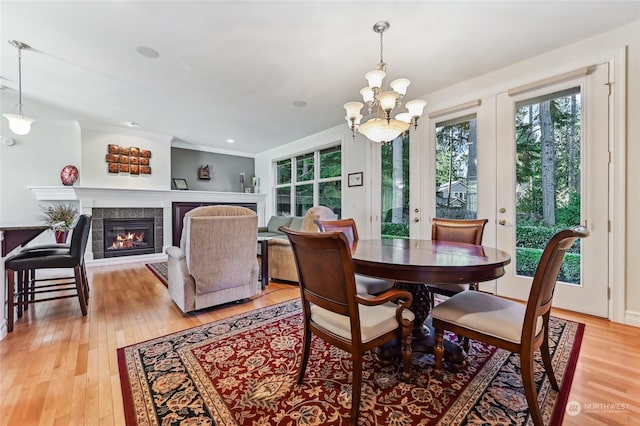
(422, 338)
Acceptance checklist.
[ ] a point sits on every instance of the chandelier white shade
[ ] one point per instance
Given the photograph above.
(381, 103)
(19, 123)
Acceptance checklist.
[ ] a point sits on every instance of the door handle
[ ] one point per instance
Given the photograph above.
(502, 222)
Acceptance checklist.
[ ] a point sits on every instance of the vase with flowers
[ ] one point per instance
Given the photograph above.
(60, 218)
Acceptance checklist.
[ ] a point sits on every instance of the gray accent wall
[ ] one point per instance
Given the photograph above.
(224, 170)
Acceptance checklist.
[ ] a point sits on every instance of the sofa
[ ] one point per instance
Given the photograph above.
(282, 266)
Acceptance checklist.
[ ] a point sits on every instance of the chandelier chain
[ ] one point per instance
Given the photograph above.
(20, 80)
(381, 47)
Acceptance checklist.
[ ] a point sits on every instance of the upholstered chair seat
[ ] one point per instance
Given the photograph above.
(485, 313)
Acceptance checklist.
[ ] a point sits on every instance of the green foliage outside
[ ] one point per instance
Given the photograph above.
(331, 162)
(528, 259)
(395, 230)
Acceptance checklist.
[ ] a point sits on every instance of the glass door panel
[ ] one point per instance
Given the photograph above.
(547, 163)
(395, 188)
(456, 169)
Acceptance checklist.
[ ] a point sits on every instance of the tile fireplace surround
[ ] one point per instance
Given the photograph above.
(139, 200)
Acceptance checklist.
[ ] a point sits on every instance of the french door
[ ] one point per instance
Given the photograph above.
(553, 172)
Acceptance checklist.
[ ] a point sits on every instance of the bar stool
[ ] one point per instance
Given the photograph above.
(28, 261)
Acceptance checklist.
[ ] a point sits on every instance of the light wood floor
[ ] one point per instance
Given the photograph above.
(59, 368)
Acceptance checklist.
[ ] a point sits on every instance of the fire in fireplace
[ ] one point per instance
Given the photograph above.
(125, 237)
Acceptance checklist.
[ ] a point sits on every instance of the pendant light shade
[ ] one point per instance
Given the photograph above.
(19, 123)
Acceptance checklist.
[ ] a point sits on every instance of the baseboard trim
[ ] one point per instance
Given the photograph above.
(143, 258)
(632, 318)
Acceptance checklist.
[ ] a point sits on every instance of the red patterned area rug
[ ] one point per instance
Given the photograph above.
(160, 270)
(242, 371)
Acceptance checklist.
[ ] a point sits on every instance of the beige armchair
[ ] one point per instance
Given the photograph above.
(282, 265)
(216, 262)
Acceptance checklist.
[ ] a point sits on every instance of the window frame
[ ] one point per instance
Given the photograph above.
(316, 181)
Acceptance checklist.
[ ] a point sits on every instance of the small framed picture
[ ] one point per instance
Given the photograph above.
(133, 169)
(133, 160)
(354, 179)
(203, 173)
(124, 150)
(124, 168)
(134, 151)
(113, 149)
(124, 159)
(143, 161)
(145, 170)
(180, 183)
(145, 153)
(113, 168)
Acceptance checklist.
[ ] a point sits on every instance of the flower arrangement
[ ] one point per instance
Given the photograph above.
(59, 216)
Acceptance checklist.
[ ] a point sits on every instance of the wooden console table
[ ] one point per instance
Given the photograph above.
(15, 235)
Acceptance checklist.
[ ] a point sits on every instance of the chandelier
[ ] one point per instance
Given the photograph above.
(378, 98)
(19, 123)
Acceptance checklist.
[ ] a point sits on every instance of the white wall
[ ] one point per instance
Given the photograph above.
(94, 168)
(36, 158)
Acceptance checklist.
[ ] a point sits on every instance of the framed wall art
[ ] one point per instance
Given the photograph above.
(354, 179)
(128, 160)
(180, 183)
(203, 173)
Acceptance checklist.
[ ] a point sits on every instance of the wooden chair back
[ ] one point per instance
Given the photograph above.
(80, 237)
(326, 274)
(346, 226)
(468, 231)
(545, 278)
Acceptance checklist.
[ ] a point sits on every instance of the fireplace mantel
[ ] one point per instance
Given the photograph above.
(90, 198)
(117, 197)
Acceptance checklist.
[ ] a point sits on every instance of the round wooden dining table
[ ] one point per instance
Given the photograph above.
(413, 263)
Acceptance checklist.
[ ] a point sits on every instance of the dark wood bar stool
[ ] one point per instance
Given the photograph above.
(27, 262)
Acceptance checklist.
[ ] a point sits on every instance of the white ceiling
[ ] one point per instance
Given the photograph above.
(233, 69)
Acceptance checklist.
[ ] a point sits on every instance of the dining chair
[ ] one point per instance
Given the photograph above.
(468, 231)
(334, 312)
(364, 284)
(508, 324)
(30, 290)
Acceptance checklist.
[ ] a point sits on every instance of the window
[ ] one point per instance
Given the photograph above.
(456, 168)
(317, 181)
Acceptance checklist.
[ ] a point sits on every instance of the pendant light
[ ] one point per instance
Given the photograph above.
(19, 123)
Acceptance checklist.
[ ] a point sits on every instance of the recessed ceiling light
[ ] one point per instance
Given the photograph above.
(147, 52)
(131, 124)
(299, 104)
(231, 141)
